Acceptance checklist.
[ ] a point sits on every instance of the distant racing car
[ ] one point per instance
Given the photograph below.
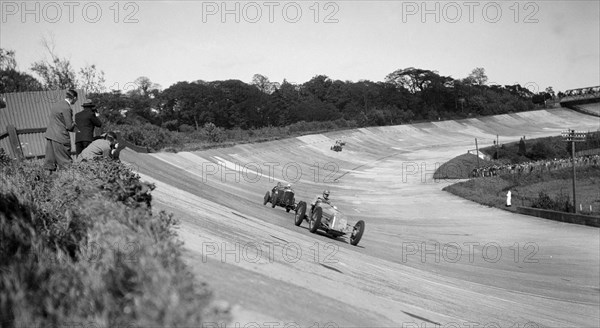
(324, 216)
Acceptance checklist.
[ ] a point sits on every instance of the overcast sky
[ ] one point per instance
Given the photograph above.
(533, 43)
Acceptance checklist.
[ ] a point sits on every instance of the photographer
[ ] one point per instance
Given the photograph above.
(105, 147)
(86, 121)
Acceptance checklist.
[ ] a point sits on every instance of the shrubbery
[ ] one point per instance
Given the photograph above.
(560, 203)
(146, 135)
(210, 135)
(82, 246)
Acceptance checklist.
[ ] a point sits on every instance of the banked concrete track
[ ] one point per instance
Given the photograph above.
(427, 257)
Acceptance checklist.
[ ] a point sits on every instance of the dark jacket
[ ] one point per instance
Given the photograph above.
(86, 121)
(60, 122)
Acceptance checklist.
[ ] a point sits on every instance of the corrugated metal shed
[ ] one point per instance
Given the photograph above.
(30, 110)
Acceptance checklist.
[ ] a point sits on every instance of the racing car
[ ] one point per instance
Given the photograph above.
(338, 145)
(324, 216)
(281, 196)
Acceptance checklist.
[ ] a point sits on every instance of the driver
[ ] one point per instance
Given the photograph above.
(324, 198)
(279, 186)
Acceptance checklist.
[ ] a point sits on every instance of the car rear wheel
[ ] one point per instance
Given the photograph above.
(359, 229)
(267, 197)
(300, 213)
(274, 199)
(315, 220)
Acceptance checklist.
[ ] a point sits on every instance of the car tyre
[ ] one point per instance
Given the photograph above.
(359, 229)
(300, 213)
(315, 220)
(267, 198)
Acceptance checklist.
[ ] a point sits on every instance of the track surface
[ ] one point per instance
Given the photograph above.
(427, 257)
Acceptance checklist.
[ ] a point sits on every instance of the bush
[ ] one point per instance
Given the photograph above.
(298, 127)
(171, 125)
(81, 245)
(4, 158)
(147, 135)
(213, 133)
(561, 203)
(541, 150)
(186, 128)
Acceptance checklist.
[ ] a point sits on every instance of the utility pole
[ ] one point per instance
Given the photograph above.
(573, 137)
(477, 150)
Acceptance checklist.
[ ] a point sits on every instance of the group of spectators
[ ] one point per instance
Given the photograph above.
(534, 166)
(87, 147)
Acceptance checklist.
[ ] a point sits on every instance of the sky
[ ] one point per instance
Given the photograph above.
(534, 43)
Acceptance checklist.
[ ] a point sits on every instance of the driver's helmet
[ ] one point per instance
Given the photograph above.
(326, 194)
(289, 186)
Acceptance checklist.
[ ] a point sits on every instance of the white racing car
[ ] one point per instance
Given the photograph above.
(328, 218)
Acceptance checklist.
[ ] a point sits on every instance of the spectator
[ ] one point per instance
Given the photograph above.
(86, 121)
(105, 147)
(58, 140)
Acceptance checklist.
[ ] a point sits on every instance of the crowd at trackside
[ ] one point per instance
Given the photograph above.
(534, 166)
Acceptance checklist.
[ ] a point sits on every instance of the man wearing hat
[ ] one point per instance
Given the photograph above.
(86, 121)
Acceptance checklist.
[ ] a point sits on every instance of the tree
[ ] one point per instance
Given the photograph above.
(7, 60)
(412, 79)
(91, 80)
(12, 80)
(145, 87)
(522, 147)
(263, 84)
(318, 86)
(478, 76)
(57, 73)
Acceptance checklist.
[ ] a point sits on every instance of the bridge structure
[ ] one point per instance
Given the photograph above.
(579, 99)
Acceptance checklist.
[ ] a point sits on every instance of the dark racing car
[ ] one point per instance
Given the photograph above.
(281, 196)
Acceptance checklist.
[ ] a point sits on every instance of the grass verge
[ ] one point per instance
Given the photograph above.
(82, 246)
(529, 189)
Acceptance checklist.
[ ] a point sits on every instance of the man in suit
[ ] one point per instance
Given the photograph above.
(86, 121)
(58, 140)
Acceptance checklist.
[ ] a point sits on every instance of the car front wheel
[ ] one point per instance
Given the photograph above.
(315, 220)
(359, 229)
(300, 213)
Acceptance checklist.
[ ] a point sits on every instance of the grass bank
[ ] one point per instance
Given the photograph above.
(81, 246)
(552, 188)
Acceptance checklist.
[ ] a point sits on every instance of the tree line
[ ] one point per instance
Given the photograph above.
(406, 95)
